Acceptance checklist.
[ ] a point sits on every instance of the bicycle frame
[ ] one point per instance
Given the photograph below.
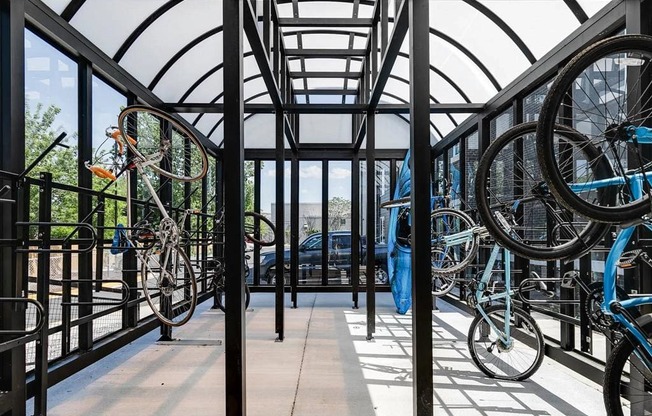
(465, 236)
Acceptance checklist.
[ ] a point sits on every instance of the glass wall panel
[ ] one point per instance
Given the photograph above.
(339, 221)
(51, 108)
(455, 176)
(310, 222)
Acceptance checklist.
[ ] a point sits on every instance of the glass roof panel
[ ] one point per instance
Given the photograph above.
(192, 66)
(325, 9)
(365, 11)
(333, 83)
(291, 41)
(294, 65)
(392, 132)
(254, 87)
(443, 124)
(389, 100)
(285, 10)
(206, 122)
(325, 99)
(443, 91)
(398, 88)
(540, 38)
(461, 70)
(264, 99)
(352, 84)
(217, 136)
(355, 65)
(57, 5)
(250, 66)
(463, 23)
(325, 128)
(257, 131)
(325, 41)
(203, 14)
(591, 7)
(207, 90)
(109, 34)
(359, 42)
(323, 64)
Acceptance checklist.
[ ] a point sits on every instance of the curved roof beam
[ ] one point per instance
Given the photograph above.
(71, 9)
(205, 77)
(214, 100)
(142, 27)
(470, 55)
(324, 32)
(577, 10)
(180, 54)
(504, 27)
(365, 2)
(444, 76)
(403, 80)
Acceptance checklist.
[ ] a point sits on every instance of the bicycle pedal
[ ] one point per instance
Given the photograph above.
(628, 259)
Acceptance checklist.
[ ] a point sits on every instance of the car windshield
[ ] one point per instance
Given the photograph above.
(313, 243)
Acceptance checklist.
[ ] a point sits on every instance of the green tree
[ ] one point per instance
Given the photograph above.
(339, 209)
(61, 162)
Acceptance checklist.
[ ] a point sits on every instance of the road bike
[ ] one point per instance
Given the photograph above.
(260, 231)
(159, 142)
(605, 92)
(503, 340)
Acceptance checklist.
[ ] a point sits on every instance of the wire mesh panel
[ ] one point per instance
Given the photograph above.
(471, 158)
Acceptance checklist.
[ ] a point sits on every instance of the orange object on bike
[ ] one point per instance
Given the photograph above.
(102, 173)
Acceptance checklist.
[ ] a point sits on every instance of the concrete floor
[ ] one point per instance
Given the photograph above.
(325, 366)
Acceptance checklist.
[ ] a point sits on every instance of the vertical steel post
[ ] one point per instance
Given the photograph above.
(325, 243)
(235, 344)
(12, 159)
(355, 227)
(294, 227)
(419, 26)
(42, 295)
(256, 254)
(280, 226)
(370, 271)
(85, 202)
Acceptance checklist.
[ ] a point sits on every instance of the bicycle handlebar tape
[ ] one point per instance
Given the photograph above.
(116, 136)
(102, 173)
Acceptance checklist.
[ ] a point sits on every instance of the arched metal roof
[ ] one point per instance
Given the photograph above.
(173, 47)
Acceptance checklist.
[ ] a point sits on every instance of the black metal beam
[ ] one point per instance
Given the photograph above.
(371, 213)
(577, 10)
(325, 91)
(234, 323)
(289, 133)
(420, 198)
(362, 131)
(12, 159)
(324, 53)
(260, 53)
(324, 22)
(280, 227)
(71, 9)
(393, 48)
(325, 74)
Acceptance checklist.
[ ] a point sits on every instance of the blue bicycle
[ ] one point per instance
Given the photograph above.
(606, 93)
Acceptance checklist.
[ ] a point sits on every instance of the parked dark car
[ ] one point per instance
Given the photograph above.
(339, 257)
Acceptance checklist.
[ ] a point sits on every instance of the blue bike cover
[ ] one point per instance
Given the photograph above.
(120, 242)
(399, 259)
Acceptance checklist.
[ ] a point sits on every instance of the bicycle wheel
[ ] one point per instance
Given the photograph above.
(163, 143)
(259, 229)
(441, 283)
(169, 285)
(516, 361)
(627, 380)
(602, 92)
(515, 203)
(220, 298)
(446, 258)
